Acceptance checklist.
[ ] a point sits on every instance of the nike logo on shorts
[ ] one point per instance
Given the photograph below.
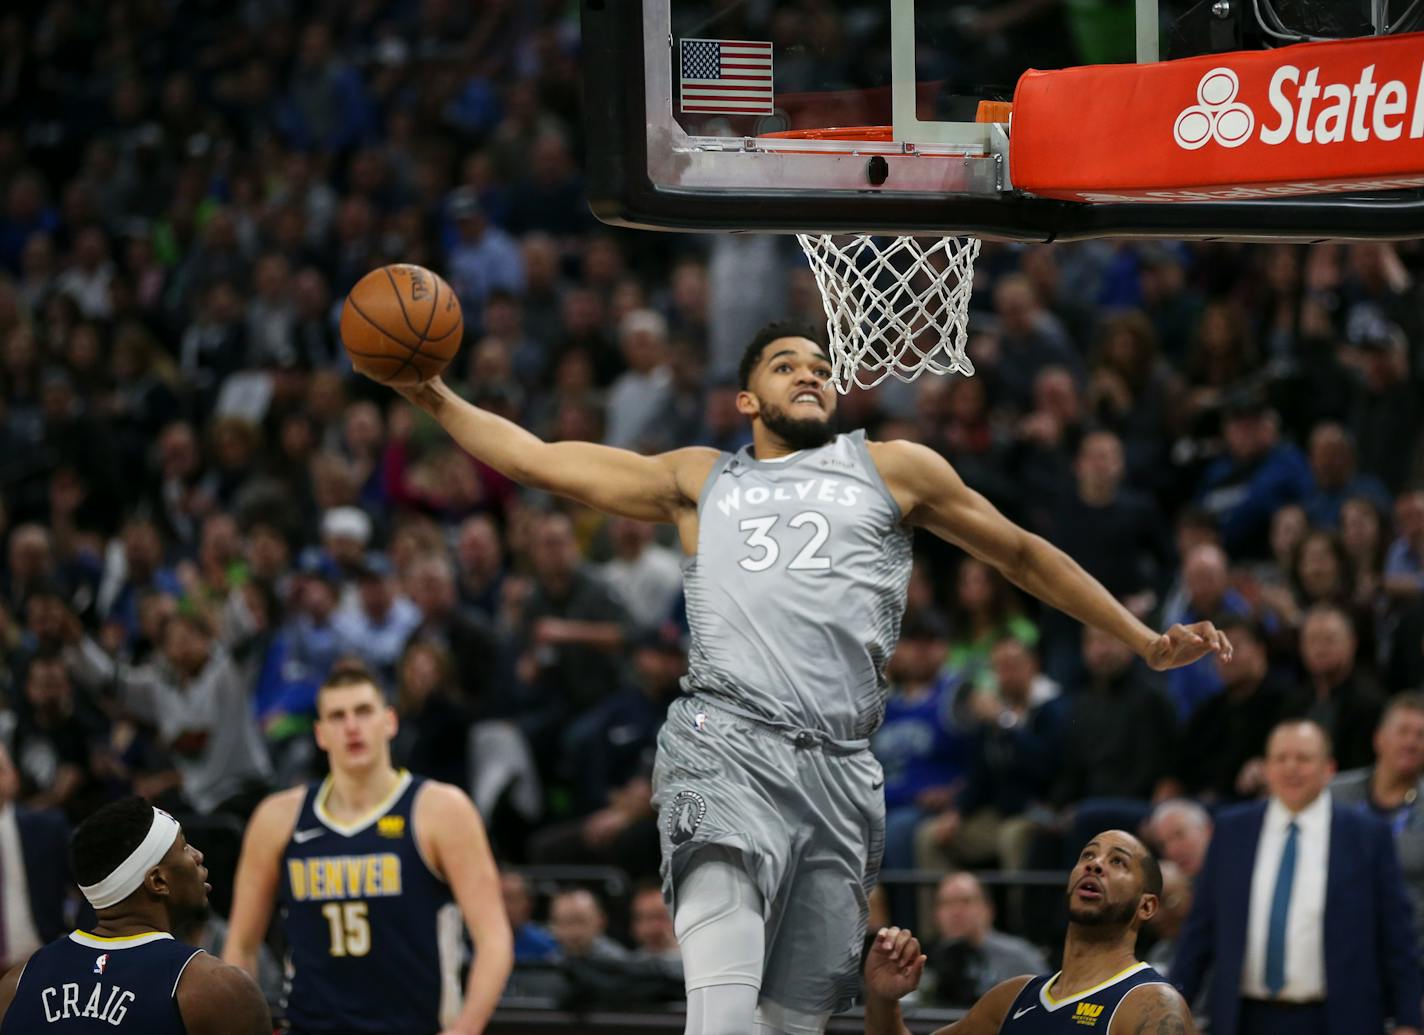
(1026, 1009)
(301, 837)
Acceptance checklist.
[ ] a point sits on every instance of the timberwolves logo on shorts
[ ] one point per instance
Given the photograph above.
(685, 816)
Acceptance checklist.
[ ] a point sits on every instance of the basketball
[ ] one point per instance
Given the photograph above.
(401, 324)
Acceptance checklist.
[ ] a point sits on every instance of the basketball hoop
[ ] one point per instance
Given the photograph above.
(895, 306)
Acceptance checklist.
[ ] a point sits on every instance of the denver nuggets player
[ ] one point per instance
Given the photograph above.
(128, 974)
(363, 864)
(797, 559)
(1113, 890)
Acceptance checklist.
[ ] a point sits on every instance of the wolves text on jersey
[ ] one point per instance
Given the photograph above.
(812, 490)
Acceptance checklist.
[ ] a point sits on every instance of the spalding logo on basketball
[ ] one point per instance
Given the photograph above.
(684, 816)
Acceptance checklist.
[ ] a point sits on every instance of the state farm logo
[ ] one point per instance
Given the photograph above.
(1304, 109)
(1217, 115)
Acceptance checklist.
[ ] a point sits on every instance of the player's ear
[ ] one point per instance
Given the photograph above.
(155, 881)
(748, 405)
(1147, 907)
(392, 723)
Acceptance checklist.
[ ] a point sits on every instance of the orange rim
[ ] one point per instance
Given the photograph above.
(876, 133)
(987, 111)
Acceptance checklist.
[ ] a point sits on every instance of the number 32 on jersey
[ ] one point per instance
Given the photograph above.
(766, 541)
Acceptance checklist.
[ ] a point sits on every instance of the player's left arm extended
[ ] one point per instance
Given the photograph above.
(933, 496)
(461, 854)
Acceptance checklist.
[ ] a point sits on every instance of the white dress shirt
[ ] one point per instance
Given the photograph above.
(21, 938)
(1305, 921)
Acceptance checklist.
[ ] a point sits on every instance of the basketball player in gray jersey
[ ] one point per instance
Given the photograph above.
(797, 554)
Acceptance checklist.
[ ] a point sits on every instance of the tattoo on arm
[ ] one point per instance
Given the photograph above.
(1164, 1014)
(1156, 1023)
(1166, 1025)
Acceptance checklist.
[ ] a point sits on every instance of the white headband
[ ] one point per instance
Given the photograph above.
(129, 874)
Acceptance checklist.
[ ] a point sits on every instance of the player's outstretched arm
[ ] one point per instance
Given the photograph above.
(616, 481)
(259, 868)
(218, 999)
(1153, 1010)
(892, 970)
(932, 496)
(450, 827)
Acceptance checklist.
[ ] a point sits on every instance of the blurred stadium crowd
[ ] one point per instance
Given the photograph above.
(201, 508)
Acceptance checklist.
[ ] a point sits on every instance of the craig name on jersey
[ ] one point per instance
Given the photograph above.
(61, 1002)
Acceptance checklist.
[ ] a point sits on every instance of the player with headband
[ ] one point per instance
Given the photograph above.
(129, 974)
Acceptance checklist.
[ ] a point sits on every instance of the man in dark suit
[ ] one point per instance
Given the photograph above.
(1300, 911)
(34, 871)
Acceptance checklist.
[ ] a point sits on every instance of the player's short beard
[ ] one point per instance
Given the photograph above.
(1109, 916)
(796, 432)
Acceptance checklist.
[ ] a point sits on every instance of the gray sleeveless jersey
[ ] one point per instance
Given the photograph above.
(796, 592)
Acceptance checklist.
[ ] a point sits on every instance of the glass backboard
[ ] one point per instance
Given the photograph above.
(853, 115)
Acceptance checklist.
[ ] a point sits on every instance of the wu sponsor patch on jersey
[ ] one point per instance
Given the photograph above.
(684, 816)
(1087, 1014)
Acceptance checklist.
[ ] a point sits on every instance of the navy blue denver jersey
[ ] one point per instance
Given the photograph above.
(359, 907)
(1037, 1012)
(82, 985)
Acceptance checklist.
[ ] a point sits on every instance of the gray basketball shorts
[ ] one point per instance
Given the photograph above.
(809, 821)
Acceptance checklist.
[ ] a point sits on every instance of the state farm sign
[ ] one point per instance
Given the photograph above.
(1346, 110)
(1307, 119)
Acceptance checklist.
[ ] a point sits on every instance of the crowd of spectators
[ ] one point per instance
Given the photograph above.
(202, 507)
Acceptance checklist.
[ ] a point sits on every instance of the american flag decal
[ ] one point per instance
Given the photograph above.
(725, 77)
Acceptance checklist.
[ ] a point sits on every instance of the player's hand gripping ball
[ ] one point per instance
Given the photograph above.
(401, 325)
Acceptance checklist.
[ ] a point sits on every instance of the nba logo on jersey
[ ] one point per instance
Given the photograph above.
(101, 963)
(1087, 1014)
(699, 721)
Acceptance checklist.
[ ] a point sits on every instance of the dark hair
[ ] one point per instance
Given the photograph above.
(108, 837)
(1405, 701)
(1345, 570)
(1138, 329)
(347, 672)
(1003, 604)
(405, 700)
(1202, 520)
(195, 620)
(1151, 873)
(47, 656)
(764, 337)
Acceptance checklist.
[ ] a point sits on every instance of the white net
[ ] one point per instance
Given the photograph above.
(895, 306)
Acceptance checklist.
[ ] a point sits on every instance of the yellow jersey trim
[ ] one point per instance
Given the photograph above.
(123, 941)
(1051, 1003)
(362, 822)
